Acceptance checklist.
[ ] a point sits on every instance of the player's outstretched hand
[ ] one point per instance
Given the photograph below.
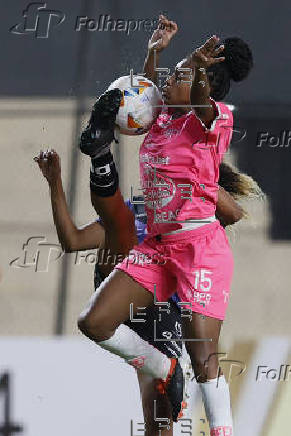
(207, 54)
(163, 34)
(99, 132)
(49, 164)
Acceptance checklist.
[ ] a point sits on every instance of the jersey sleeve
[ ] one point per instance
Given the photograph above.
(222, 127)
(219, 133)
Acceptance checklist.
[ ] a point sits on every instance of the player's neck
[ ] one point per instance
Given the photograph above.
(179, 111)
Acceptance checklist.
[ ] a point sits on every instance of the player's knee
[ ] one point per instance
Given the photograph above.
(85, 326)
(200, 371)
(205, 366)
(92, 328)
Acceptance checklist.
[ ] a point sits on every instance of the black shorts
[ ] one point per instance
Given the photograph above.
(161, 325)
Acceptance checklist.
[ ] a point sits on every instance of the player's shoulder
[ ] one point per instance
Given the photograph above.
(224, 111)
(223, 117)
(222, 126)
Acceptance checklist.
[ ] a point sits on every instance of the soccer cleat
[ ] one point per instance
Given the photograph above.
(99, 133)
(188, 373)
(174, 387)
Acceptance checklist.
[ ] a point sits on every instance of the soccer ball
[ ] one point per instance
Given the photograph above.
(140, 104)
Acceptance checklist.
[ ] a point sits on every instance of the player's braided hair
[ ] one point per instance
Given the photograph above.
(236, 66)
(238, 184)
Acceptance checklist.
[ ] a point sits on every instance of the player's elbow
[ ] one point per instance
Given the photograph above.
(236, 215)
(70, 245)
(68, 248)
(239, 215)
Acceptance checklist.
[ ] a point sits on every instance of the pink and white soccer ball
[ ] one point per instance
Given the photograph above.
(140, 105)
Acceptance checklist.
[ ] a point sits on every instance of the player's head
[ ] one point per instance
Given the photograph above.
(177, 87)
(236, 67)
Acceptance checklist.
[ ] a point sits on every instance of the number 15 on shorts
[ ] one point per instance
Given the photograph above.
(202, 286)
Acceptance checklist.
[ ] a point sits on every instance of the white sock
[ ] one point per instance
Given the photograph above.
(216, 399)
(137, 352)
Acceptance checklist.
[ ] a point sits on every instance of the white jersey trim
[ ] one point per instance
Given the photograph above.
(193, 224)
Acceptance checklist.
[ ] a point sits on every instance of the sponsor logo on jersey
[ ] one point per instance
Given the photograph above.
(145, 157)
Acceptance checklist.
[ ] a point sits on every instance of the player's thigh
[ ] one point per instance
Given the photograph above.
(129, 287)
(110, 304)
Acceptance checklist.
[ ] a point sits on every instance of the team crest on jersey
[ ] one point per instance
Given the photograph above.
(164, 120)
(158, 190)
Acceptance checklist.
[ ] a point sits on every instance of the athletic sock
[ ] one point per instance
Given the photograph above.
(216, 399)
(137, 352)
(104, 178)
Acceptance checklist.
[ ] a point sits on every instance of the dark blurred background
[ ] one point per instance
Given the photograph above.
(68, 63)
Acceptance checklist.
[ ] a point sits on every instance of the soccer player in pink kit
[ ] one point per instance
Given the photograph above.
(179, 164)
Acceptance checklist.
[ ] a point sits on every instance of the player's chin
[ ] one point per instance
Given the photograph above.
(167, 99)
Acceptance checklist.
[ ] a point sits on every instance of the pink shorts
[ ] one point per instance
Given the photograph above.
(197, 264)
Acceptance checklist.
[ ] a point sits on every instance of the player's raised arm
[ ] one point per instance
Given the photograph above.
(71, 238)
(157, 43)
(199, 60)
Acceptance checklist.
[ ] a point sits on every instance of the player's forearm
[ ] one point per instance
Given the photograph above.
(228, 211)
(150, 64)
(66, 229)
(118, 221)
(199, 96)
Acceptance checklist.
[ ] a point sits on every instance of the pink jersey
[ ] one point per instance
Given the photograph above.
(179, 168)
